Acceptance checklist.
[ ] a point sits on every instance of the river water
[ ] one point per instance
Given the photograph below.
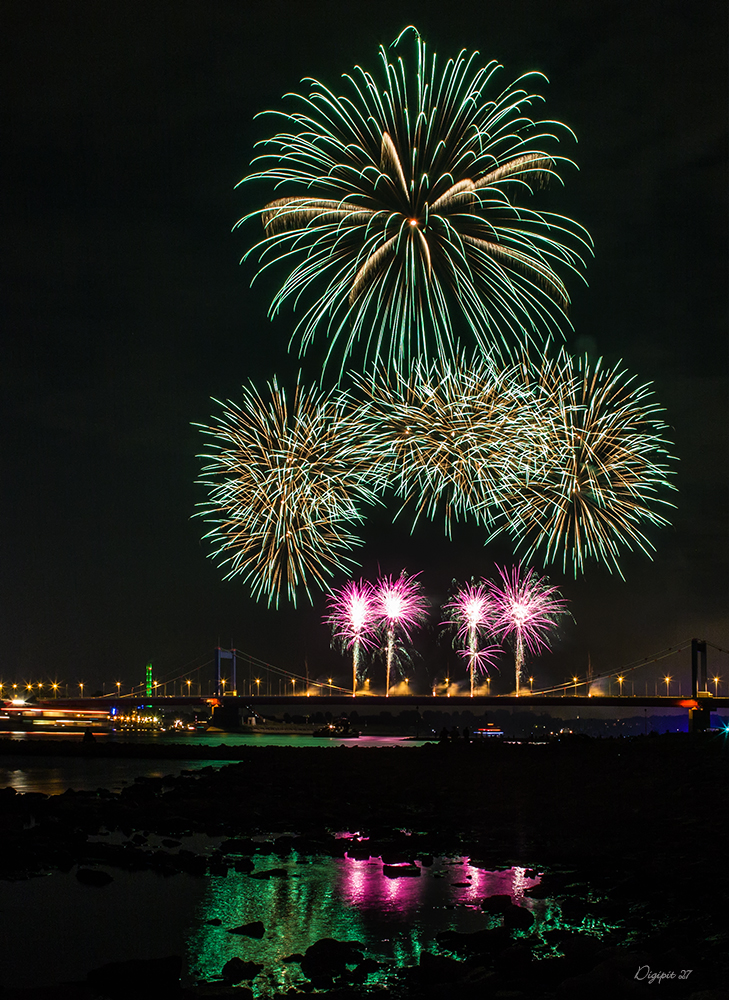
(53, 775)
(144, 915)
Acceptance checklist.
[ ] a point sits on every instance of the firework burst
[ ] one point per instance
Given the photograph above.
(590, 494)
(353, 622)
(471, 613)
(451, 436)
(526, 609)
(285, 487)
(398, 207)
(400, 607)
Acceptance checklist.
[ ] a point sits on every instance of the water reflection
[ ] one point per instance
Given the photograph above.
(362, 883)
(347, 899)
(52, 776)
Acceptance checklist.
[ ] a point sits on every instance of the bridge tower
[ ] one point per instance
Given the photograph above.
(699, 718)
(224, 654)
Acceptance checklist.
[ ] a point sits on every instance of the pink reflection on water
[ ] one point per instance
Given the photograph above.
(512, 882)
(364, 884)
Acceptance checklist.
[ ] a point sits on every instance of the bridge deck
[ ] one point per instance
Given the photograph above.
(309, 702)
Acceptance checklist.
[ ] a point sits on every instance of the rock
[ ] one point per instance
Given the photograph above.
(359, 852)
(121, 980)
(496, 904)
(518, 918)
(478, 943)
(513, 960)
(401, 871)
(237, 847)
(440, 968)
(236, 970)
(254, 929)
(328, 958)
(243, 865)
(271, 873)
(92, 876)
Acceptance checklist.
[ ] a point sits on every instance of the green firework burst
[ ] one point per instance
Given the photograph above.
(399, 206)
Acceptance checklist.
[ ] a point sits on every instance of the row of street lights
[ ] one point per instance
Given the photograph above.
(28, 688)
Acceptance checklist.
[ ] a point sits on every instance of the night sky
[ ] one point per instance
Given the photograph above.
(126, 127)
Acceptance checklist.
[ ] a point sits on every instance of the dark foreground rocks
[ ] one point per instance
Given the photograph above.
(626, 833)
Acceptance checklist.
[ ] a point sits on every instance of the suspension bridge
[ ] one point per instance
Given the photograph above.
(231, 681)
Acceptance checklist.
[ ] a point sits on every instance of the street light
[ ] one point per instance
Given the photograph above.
(293, 685)
(54, 685)
(118, 688)
(620, 684)
(575, 680)
(330, 686)
(258, 685)
(81, 686)
(667, 679)
(188, 682)
(531, 684)
(716, 686)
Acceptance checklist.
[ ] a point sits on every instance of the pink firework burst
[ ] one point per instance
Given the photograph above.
(353, 621)
(472, 614)
(527, 608)
(400, 607)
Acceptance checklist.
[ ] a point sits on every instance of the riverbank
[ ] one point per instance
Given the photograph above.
(623, 831)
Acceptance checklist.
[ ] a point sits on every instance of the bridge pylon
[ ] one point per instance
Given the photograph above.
(224, 654)
(700, 717)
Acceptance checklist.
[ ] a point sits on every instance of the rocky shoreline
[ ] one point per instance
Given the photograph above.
(628, 830)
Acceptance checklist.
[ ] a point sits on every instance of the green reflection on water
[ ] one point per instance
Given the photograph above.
(350, 900)
(296, 912)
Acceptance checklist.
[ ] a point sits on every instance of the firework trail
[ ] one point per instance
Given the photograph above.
(285, 486)
(400, 607)
(398, 208)
(472, 614)
(598, 483)
(353, 622)
(526, 609)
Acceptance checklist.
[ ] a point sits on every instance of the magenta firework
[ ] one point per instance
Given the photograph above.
(353, 621)
(527, 608)
(400, 607)
(472, 613)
